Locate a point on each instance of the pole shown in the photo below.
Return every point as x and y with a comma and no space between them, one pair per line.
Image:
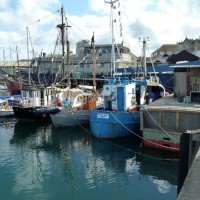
62,28
19,69
94,64
68,64
113,39
29,75
144,58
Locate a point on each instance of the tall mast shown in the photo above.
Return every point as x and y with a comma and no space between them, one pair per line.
19,68
29,75
62,28
94,63
144,58
68,59
4,61
113,39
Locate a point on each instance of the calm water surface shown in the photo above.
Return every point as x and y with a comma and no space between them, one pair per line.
40,162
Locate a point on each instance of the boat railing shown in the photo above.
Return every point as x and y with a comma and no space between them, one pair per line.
13,102
153,78
119,79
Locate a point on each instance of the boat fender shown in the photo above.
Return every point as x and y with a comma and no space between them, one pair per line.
132,109
112,97
6,107
133,101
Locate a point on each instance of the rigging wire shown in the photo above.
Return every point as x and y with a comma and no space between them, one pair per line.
37,21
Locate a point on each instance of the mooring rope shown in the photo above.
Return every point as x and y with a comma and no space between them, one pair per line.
161,127
142,137
108,141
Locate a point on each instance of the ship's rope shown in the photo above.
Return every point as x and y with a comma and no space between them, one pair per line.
127,149
160,126
141,154
140,136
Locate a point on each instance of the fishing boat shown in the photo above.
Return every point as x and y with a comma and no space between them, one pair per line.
39,101
41,71
79,101
35,104
123,98
76,109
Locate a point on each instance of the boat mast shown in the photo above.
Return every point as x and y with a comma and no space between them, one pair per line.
113,39
19,68
4,61
144,57
94,63
62,28
68,57
29,75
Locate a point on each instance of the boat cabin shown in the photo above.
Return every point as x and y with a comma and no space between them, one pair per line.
119,94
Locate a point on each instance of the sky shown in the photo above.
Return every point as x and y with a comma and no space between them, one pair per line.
29,27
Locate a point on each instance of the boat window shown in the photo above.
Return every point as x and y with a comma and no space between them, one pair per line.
104,51
24,93
81,65
30,93
88,66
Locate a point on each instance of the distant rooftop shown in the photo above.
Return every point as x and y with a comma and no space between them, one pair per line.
171,47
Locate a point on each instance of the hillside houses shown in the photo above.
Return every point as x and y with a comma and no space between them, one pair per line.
166,51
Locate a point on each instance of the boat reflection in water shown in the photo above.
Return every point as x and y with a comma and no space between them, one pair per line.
8,122
70,164
164,173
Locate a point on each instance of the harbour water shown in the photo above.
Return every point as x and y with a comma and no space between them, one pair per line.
40,162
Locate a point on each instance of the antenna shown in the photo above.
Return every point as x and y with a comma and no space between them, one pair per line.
113,39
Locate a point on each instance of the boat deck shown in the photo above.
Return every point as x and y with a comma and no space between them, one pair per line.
169,103
164,121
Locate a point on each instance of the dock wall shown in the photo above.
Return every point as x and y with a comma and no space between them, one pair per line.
189,165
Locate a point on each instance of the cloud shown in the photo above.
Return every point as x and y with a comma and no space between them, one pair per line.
163,21
4,4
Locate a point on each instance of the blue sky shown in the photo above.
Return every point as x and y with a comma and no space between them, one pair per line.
163,21
77,7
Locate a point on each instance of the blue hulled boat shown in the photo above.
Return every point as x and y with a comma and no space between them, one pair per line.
120,116
123,98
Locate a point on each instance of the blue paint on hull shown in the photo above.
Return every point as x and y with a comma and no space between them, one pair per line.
114,124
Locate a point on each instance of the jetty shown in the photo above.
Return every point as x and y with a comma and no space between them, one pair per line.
189,165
